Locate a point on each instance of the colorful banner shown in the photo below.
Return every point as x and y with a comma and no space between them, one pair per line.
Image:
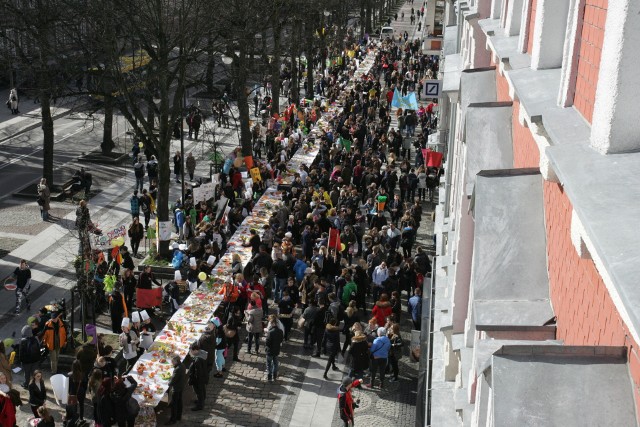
103,241
408,102
148,298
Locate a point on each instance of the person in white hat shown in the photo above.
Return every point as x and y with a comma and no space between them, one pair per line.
129,342
192,275
147,325
146,330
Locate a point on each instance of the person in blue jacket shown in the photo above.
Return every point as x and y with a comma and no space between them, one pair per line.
414,306
299,268
379,354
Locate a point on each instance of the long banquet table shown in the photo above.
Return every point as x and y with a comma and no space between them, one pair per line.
153,369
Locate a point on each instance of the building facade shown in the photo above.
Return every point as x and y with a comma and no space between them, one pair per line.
537,228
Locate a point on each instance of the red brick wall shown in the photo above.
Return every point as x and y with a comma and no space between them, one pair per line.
586,314
589,51
503,87
525,150
532,24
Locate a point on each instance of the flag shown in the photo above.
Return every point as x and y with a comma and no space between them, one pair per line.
434,160
346,144
395,101
334,238
408,102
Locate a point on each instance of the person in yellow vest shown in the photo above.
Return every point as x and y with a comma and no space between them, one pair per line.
55,338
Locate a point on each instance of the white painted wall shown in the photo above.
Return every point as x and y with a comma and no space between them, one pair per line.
570,53
524,27
615,127
514,17
496,8
549,34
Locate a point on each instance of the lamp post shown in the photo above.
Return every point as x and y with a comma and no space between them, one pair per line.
228,60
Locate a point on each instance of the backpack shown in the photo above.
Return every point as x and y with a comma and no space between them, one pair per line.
144,204
152,168
32,350
352,294
138,169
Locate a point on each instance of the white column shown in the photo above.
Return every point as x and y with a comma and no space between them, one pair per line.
570,54
549,33
523,41
496,7
615,126
514,17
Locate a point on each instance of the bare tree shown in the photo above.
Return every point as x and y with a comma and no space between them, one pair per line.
35,37
173,35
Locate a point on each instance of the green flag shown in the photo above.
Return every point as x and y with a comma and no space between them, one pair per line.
346,144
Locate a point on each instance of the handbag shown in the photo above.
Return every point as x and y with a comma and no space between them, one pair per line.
133,408
229,332
72,399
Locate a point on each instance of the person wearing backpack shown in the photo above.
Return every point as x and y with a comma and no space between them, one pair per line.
28,353
152,169
350,291
139,171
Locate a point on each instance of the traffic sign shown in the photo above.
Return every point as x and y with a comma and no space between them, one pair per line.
432,88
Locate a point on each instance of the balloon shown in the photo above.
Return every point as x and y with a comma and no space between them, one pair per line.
118,241
141,145
202,276
342,247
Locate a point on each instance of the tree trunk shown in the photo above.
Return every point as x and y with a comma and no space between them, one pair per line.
363,17
275,67
107,145
151,117
47,132
243,105
295,31
369,16
309,53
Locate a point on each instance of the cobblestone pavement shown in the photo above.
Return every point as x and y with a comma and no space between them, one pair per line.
25,218
7,244
395,405
245,398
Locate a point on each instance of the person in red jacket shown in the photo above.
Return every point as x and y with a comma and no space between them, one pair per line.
7,411
346,405
382,309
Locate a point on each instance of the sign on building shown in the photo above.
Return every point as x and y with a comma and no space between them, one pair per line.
432,88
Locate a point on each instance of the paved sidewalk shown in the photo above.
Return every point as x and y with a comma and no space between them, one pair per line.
30,116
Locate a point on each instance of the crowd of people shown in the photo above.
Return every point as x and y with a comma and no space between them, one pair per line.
334,260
